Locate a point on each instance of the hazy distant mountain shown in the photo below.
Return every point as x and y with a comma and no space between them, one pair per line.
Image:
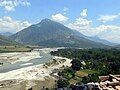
117,46
6,34
95,39
6,41
53,34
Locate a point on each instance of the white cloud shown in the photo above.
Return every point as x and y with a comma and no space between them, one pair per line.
10,5
81,23
25,3
84,13
25,24
59,17
107,32
7,24
7,19
107,18
65,9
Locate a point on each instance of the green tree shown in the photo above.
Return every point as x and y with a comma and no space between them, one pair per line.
91,78
62,83
76,64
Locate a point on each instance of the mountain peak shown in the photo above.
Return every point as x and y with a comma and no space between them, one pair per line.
45,20
49,22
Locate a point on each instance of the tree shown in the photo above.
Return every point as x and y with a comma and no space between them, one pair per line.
114,67
62,83
76,64
91,78
67,73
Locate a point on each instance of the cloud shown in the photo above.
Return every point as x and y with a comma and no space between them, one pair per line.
83,13
101,30
10,5
7,24
107,32
59,17
81,23
107,18
65,9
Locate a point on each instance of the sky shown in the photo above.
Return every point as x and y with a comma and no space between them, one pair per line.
99,18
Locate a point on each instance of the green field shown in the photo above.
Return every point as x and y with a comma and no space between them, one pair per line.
88,71
5,49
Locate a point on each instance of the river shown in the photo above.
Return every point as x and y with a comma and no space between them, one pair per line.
45,57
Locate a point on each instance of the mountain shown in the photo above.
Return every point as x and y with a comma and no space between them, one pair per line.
117,46
6,34
6,41
95,39
49,33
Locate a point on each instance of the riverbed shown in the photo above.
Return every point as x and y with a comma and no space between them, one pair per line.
18,63
31,73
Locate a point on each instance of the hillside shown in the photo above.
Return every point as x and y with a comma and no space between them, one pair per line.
117,46
6,41
95,39
6,34
49,33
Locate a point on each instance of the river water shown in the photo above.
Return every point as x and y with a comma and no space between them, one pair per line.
45,57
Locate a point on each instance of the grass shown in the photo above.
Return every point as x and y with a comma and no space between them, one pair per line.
81,74
85,72
72,81
88,71
5,49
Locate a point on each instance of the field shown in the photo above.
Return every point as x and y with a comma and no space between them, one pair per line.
88,71
5,49
80,74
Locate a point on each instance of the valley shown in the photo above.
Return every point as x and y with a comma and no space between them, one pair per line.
59,44
49,55
28,67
